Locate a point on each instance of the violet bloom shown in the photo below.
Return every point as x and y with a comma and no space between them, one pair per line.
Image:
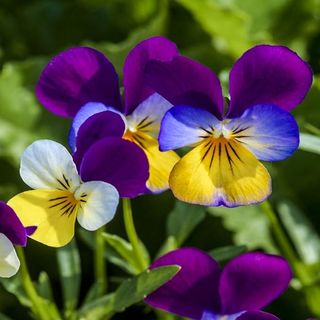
12,232
223,168
202,291
81,83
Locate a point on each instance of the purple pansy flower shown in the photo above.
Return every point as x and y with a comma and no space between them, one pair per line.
201,291
12,232
81,83
223,168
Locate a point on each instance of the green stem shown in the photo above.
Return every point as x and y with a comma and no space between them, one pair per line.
100,262
311,291
38,307
284,244
132,234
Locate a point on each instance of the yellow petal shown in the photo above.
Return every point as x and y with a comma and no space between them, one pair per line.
53,212
160,163
220,172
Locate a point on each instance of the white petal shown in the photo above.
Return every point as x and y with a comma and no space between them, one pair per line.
9,262
46,164
148,115
99,201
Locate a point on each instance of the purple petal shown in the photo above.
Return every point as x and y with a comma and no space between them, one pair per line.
136,90
11,226
75,77
85,112
268,74
100,125
31,230
257,315
184,126
193,290
186,82
252,280
118,162
269,132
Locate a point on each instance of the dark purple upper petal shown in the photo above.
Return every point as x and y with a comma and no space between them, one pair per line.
75,77
135,88
257,315
118,162
252,280
11,226
186,82
195,287
98,126
268,74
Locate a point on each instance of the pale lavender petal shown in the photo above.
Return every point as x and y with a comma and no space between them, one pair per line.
75,77
195,287
268,74
11,226
118,162
252,280
135,88
183,81
184,126
257,315
269,132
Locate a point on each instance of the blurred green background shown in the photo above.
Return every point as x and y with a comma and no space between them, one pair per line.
215,32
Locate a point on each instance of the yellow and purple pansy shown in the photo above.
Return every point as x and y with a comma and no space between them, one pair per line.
201,290
60,196
229,137
81,83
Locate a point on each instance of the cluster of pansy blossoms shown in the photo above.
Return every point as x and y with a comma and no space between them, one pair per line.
123,146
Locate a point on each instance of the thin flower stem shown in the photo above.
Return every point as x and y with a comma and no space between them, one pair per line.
283,242
132,234
100,262
310,290
38,307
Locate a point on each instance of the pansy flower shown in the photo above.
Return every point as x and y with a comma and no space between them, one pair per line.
12,232
60,197
82,83
202,291
229,137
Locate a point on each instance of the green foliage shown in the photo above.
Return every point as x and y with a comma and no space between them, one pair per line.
70,275
252,231
129,292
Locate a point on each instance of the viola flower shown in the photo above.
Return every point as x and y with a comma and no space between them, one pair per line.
81,83
202,291
223,167
12,232
60,197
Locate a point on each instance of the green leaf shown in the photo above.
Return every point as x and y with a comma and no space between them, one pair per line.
301,231
183,220
14,286
129,292
44,286
70,274
229,28
249,226
110,253
310,143
124,249
226,253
